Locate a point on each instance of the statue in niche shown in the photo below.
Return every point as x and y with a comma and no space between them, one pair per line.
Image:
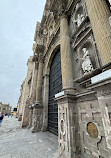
51,31
86,65
80,19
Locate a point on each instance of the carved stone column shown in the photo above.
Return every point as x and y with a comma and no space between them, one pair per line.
45,102
38,108
39,79
35,80
66,57
99,14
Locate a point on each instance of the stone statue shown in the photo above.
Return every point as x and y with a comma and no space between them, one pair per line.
80,19
86,65
50,32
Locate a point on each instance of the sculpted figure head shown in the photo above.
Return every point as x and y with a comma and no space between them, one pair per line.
84,50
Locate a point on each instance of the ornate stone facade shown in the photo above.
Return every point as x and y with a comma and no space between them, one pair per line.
81,112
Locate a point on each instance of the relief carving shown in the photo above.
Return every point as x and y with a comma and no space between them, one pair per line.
80,19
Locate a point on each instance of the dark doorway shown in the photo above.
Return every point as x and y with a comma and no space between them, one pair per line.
55,86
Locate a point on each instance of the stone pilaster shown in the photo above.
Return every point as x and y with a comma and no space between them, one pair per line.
66,57
99,14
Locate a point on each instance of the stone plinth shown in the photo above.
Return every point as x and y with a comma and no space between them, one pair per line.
67,127
37,118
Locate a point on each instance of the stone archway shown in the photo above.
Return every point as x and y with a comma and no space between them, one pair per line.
55,86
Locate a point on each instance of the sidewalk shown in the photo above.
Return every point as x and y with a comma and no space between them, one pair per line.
21,143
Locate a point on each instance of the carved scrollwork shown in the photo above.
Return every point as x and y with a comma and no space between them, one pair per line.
63,127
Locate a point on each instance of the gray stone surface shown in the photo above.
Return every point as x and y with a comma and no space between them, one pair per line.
21,143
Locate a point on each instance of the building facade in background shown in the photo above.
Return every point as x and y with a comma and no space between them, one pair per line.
5,109
68,85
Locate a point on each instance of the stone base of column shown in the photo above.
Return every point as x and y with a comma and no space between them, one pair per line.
37,117
69,90
67,126
20,117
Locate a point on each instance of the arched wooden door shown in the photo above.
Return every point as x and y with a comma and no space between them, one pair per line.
55,86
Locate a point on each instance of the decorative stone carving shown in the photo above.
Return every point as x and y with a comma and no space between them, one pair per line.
51,31
80,19
86,65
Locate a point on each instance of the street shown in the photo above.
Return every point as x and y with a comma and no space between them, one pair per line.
16,142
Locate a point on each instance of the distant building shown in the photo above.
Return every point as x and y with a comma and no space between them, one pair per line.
5,108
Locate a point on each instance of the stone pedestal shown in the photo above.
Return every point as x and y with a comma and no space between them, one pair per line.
37,118
99,14
66,57
67,125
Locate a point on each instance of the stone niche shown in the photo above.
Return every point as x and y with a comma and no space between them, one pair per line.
78,16
84,49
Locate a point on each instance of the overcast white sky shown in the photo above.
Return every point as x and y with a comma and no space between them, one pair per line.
17,26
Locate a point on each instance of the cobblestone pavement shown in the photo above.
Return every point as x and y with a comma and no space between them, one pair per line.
16,142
